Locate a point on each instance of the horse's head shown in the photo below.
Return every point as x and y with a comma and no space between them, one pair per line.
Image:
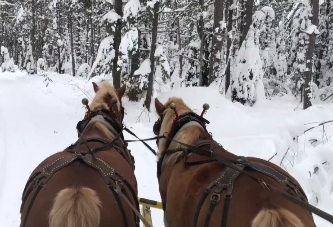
108,98
167,113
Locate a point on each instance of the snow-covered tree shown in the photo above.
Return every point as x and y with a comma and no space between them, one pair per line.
246,82
8,63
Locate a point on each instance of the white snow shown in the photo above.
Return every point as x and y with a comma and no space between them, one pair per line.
105,54
111,16
37,121
262,13
151,4
8,62
144,68
132,8
129,43
312,29
110,1
83,70
248,70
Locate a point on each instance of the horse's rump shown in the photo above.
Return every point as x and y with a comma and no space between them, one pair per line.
83,186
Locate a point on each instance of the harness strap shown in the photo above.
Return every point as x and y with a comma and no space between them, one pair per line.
40,186
210,211
202,200
143,141
290,186
113,180
134,209
120,205
225,183
42,178
226,204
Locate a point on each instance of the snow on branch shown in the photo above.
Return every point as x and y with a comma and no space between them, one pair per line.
132,8
4,3
111,16
312,29
144,68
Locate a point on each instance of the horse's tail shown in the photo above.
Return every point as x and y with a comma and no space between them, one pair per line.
276,218
75,207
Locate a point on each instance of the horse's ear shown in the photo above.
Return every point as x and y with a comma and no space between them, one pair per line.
96,88
159,107
121,91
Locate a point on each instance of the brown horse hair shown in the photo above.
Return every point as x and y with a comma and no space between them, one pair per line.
75,207
186,136
276,218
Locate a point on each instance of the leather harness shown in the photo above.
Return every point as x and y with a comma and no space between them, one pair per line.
114,181
222,186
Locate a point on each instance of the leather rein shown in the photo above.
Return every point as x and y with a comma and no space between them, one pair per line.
115,182
240,165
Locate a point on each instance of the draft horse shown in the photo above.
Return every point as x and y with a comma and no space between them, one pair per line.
199,187
92,182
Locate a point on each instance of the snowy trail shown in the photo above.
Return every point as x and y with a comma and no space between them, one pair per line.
37,121
32,132
3,157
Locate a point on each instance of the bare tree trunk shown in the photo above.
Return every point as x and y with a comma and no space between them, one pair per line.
59,33
70,21
116,43
247,20
92,48
216,43
325,46
201,34
87,43
135,57
2,40
308,57
229,28
152,57
33,33
179,41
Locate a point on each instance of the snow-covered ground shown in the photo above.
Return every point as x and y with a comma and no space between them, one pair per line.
38,118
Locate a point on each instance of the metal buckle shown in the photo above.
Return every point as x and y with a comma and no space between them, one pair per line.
228,197
263,183
118,186
215,198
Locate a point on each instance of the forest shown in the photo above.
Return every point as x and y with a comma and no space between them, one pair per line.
247,49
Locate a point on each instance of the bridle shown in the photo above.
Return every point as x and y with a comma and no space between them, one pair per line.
114,181
178,122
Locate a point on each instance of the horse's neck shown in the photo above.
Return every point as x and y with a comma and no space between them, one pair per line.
191,133
99,127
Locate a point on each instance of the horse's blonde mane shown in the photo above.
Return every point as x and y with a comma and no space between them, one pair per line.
105,88
188,136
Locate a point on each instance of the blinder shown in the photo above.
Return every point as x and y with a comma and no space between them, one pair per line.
107,115
179,122
157,126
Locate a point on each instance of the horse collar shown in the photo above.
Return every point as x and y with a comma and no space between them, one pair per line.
178,123
107,115
176,126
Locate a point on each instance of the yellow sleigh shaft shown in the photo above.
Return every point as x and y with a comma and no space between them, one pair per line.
146,204
150,203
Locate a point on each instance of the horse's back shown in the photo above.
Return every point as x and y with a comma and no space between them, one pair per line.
77,176
248,197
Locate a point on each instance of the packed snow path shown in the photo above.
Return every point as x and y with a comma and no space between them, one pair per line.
38,120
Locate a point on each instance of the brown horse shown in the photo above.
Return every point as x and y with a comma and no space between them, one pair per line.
198,190
92,182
